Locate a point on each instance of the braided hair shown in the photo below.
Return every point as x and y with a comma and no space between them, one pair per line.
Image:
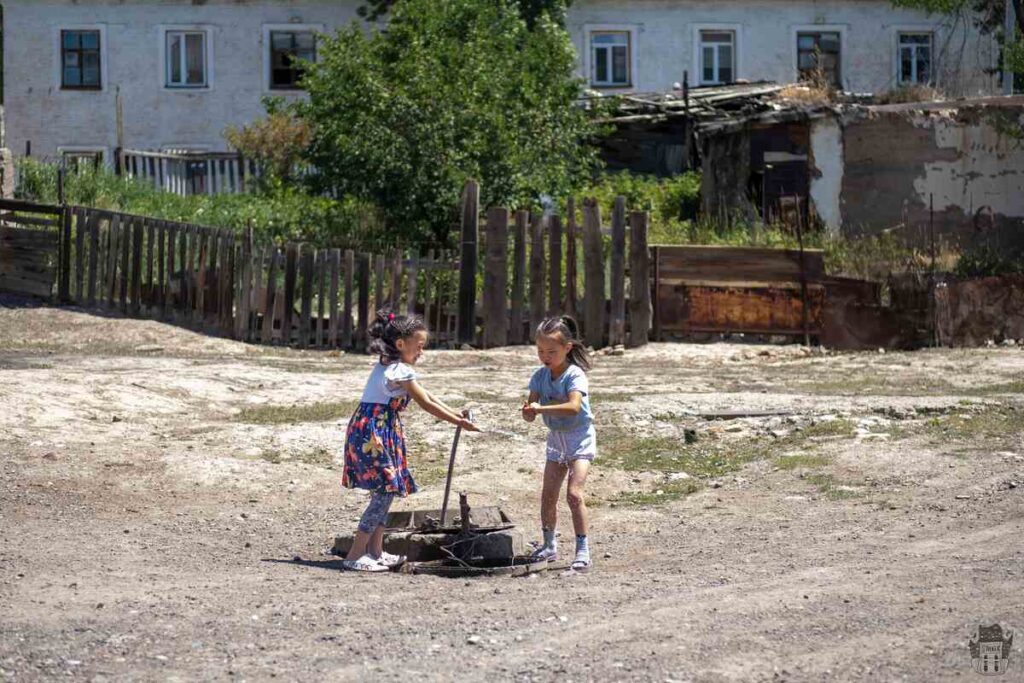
567,327
387,329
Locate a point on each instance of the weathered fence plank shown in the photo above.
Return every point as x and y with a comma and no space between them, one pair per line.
291,267
593,275
346,322
496,279
242,325
94,249
113,250
335,266
639,280
428,276
554,264
379,300
306,271
536,273
123,276
321,299
270,300
364,301
137,236
571,232
64,271
412,285
150,250
78,217
395,295
468,262
617,320
518,277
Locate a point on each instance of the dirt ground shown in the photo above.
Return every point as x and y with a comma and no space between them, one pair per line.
168,502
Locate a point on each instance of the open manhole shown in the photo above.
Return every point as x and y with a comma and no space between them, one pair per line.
477,542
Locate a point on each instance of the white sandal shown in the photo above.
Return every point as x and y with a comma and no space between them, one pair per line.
391,561
366,563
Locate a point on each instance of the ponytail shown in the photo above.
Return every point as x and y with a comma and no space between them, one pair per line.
387,329
567,327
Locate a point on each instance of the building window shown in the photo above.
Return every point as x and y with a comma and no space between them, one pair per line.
717,57
287,50
82,160
818,57
915,58
80,60
186,59
610,58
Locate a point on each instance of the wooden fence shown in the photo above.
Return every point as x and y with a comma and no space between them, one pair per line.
223,282
189,173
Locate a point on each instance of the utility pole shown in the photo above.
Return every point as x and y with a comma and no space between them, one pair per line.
1009,38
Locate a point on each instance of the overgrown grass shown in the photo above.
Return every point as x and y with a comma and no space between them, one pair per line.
279,213
296,414
990,425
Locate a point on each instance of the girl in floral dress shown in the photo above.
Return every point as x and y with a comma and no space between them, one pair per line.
375,454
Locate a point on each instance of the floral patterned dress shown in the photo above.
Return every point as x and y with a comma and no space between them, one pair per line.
375,452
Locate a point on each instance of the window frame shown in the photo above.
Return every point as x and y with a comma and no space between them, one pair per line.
898,33
267,49
589,65
164,33
58,63
839,29
698,50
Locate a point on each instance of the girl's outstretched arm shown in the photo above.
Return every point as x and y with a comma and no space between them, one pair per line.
435,408
568,409
439,402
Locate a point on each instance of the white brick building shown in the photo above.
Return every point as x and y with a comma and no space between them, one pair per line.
184,70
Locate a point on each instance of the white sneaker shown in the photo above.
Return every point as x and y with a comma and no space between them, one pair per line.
391,561
366,563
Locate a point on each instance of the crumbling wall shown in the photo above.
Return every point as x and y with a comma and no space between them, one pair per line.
972,312
897,160
826,171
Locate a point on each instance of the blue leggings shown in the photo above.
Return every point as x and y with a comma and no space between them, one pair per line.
376,512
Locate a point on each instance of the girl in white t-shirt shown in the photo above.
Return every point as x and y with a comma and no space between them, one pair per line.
375,453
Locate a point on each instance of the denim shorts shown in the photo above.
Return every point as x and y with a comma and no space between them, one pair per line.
578,444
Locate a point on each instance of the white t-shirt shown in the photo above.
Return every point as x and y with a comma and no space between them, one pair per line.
382,385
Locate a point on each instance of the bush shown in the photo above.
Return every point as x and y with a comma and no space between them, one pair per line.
985,260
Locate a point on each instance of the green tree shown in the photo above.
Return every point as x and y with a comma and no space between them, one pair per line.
453,89
529,10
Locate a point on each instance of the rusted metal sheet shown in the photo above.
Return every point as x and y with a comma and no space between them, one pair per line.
750,307
736,289
28,261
